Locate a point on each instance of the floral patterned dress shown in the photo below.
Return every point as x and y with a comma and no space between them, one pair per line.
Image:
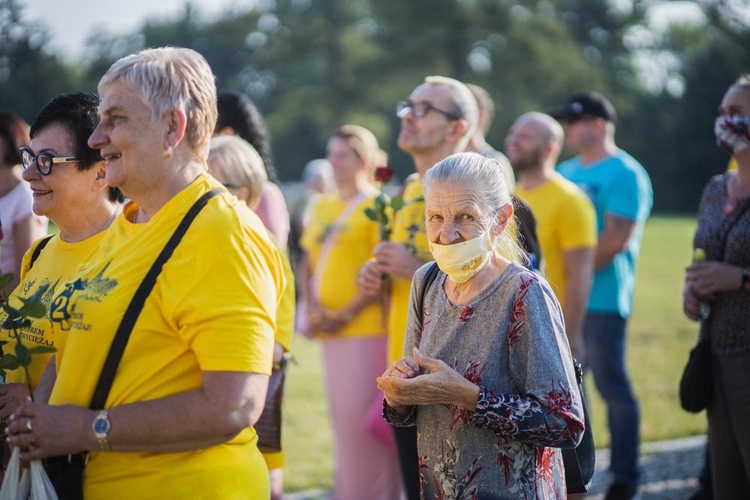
510,340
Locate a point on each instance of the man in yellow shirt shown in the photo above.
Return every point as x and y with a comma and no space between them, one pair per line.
566,221
437,120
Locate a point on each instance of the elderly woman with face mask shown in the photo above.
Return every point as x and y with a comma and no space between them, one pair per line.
487,376
192,378
717,290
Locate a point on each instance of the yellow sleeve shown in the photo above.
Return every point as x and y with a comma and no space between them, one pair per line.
577,223
286,310
232,328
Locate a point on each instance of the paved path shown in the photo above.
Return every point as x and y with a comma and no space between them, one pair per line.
670,472
670,469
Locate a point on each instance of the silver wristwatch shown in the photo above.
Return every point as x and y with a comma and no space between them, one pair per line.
101,428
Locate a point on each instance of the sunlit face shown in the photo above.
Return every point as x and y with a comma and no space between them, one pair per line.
452,213
345,161
424,135
130,141
66,191
524,145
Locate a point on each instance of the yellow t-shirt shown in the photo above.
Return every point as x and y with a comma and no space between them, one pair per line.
351,249
286,308
565,220
213,308
409,229
57,262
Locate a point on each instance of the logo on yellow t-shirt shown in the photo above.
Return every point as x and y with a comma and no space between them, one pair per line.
61,311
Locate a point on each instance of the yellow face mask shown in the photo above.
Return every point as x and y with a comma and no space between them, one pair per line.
461,261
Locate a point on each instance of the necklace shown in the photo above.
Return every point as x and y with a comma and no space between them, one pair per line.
730,206
109,220
732,202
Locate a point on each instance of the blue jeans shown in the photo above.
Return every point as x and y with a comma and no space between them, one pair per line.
604,340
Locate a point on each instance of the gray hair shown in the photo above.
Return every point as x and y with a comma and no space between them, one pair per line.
485,178
743,81
236,161
463,101
172,78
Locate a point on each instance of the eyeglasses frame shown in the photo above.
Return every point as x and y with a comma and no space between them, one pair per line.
52,158
404,105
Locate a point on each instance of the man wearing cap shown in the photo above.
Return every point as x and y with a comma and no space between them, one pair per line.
620,190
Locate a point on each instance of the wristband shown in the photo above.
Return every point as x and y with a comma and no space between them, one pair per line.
745,279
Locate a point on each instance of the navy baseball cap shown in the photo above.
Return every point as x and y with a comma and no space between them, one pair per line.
583,104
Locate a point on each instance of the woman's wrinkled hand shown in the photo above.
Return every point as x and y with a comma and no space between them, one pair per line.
11,397
41,430
707,278
434,383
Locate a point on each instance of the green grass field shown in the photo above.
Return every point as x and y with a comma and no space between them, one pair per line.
660,338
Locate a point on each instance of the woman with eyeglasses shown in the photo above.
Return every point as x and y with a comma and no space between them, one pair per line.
19,226
66,178
178,418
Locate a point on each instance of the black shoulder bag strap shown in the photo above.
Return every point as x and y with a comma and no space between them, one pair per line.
122,335
38,249
429,277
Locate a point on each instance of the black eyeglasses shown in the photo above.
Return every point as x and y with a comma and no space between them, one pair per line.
44,160
420,110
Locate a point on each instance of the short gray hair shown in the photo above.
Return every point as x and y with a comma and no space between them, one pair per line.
172,78
463,101
485,178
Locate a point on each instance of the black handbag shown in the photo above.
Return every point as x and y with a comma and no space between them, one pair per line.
580,461
66,472
696,384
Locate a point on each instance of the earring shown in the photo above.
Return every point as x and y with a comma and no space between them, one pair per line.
168,151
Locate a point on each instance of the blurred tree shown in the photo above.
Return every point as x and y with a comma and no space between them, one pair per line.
312,65
677,129
29,76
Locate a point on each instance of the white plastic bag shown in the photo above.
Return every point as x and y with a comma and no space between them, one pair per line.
28,484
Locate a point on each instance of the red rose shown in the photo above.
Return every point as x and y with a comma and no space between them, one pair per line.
383,174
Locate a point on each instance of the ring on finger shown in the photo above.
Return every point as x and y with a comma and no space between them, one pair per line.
32,442
28,425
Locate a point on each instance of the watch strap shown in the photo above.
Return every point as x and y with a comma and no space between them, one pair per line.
102,436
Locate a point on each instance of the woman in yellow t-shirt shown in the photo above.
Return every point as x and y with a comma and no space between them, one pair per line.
239,167
191,382
67,180
351,325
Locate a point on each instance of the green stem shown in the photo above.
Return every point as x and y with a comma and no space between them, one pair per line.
19,342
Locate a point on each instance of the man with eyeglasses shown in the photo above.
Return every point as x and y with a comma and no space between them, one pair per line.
620,190
437,120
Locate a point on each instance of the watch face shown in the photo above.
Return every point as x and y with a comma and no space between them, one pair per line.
101,425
